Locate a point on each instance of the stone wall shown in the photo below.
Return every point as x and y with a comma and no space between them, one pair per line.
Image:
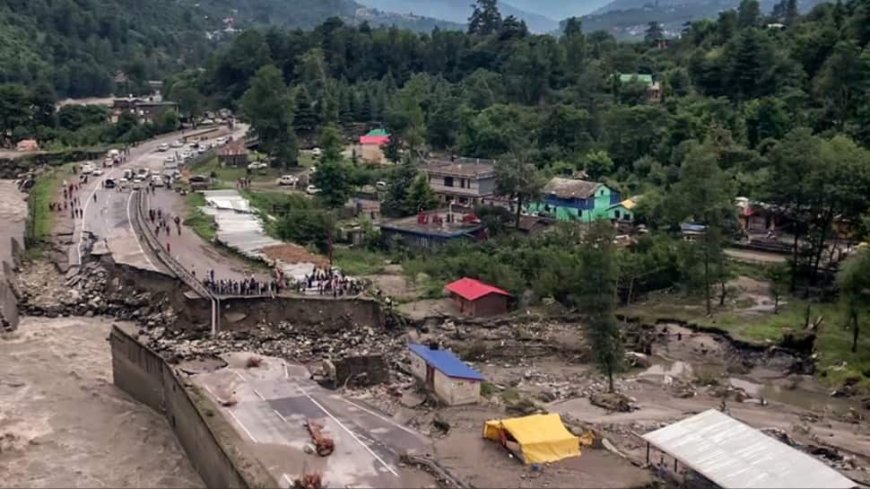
213,446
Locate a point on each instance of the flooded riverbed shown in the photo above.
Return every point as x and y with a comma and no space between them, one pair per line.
63,423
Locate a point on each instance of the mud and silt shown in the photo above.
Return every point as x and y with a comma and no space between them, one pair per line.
64,424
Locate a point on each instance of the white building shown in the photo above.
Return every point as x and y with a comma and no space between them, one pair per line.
452,381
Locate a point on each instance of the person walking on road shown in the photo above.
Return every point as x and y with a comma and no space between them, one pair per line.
167,247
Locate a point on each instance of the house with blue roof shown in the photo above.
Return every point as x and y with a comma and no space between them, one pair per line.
444,374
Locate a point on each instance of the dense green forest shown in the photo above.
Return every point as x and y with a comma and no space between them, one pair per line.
78,45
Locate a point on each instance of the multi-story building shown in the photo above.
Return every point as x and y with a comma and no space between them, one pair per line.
462,181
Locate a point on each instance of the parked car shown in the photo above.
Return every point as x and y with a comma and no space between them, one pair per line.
381,185
316,152
163,147
258,165
97,172
291,180
312,190
108,183
157,180
169,159
177,143
87,169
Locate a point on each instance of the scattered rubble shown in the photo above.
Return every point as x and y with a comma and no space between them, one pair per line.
90,292
613,401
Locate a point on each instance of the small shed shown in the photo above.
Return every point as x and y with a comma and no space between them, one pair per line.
475,298
731,454
233,153
443,373
376,137
27,145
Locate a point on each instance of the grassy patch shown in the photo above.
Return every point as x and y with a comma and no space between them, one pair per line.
833,343
356,262
46,190
228,175
201,223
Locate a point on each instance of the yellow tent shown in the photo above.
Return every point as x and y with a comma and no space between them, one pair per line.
541,437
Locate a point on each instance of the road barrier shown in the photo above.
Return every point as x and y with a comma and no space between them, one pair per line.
140,226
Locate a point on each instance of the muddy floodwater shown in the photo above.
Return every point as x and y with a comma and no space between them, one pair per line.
64,424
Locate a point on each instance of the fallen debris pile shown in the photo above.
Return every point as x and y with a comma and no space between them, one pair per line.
90,292
322,443
613,401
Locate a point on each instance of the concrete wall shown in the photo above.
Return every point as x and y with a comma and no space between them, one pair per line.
8,301
455,391
326,314
210,442
449,390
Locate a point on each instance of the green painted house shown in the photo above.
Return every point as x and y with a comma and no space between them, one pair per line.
570,199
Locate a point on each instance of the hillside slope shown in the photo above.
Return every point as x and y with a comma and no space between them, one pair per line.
307,14
77,45
459,10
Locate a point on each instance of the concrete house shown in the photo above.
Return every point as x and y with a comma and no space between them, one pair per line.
431,229
463,181
370,147
233,153
569,199
475,298
653,88
444,374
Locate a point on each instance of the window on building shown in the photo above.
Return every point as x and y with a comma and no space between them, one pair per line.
617,214
462,183
448,181
463,200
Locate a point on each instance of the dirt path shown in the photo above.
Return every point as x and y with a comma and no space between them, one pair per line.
64,424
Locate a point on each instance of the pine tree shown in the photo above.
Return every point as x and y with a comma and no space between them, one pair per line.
596,298
485,18
304,118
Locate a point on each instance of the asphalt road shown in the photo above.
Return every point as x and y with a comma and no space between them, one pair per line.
107,212
274,401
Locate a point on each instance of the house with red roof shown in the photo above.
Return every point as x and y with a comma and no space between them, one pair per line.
475,298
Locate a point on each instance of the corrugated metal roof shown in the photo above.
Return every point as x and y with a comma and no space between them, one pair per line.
446,362
735,455
472,289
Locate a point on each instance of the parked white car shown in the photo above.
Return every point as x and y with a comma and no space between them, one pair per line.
381,185
258,165
87,169
157,180
177,143
290,180
97,172
163,147
312,190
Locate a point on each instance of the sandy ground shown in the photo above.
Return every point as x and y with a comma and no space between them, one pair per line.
64,424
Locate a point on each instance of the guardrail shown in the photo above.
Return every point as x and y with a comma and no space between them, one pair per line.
142,229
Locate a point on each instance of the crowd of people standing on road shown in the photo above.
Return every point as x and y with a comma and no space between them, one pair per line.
162,220
328,281
246,286
70,202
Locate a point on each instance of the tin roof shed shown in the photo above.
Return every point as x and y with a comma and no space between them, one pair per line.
732,454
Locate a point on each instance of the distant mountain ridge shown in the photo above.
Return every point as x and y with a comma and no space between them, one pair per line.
307,14
459,10
627,19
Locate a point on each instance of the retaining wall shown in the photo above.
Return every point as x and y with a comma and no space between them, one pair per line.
213,446
326,314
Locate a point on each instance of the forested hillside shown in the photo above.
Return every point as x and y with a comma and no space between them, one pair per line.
78,45
459,10
626,18
307,14
477,92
